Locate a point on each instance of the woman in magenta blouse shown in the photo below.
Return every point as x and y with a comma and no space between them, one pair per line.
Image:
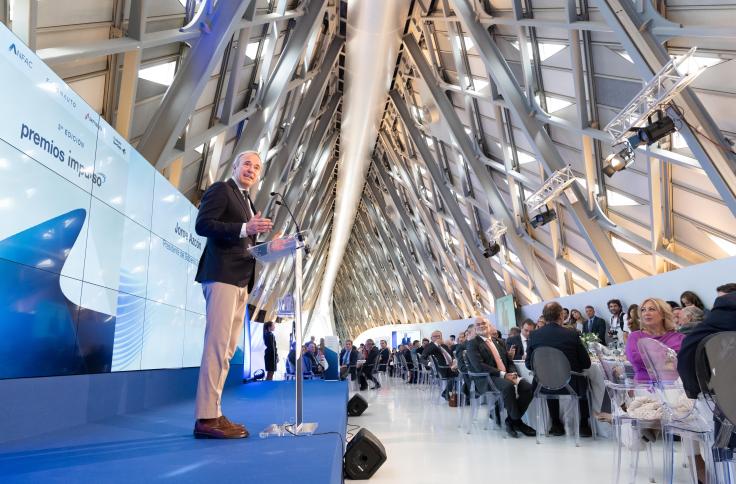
656,322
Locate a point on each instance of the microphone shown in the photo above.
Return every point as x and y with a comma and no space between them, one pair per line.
282,201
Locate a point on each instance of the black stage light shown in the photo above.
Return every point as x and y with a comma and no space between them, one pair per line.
543,218
653,132
492,250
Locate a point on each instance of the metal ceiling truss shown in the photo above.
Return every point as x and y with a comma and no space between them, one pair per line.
636,32
469,152
544,148
272,95
178,103
427,220
414,252
450,202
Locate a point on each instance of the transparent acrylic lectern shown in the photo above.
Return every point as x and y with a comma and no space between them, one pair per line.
286,249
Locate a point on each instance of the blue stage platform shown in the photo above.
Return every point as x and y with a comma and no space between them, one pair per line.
156,445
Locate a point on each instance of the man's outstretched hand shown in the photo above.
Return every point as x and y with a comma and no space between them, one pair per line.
258,225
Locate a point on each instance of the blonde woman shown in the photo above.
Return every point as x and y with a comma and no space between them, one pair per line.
657,323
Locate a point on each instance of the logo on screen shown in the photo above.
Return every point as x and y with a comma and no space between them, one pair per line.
50,146
118,144
20,55
92,119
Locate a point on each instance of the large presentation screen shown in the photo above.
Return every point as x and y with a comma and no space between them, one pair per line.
97,250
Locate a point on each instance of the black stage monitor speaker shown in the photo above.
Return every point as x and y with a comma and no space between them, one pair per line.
363,456
356,405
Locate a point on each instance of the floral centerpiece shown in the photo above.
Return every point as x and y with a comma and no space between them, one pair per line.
588,340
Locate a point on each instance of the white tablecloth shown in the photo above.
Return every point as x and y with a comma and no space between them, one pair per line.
597,391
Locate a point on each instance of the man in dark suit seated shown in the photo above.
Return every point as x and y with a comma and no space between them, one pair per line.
594,324
554,335
439,350
519,343
410,362
442,352
721,318
311,363
459,353
384,355
488,355
371,362
348,361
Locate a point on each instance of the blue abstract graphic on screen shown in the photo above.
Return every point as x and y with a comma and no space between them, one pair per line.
55,335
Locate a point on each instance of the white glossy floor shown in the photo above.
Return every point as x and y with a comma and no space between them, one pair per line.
424,445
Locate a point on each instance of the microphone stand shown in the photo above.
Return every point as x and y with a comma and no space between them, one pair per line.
299,237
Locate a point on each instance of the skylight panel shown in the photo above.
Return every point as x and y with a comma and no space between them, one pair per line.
160,74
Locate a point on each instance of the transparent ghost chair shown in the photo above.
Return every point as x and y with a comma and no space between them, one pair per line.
681,417
715,368
622,391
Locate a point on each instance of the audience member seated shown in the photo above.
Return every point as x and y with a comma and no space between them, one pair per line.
348,361
689,298
406,354
657,323
577,322
384,356
721,318
441,351
565,316
489,355
518,344
594,324
311,363
689,317
460,346
555,336
391,363
540,322
459,361
420,349
453,342
371,362
632,320
676,310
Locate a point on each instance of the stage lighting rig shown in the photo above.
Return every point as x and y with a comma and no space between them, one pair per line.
551,189
543,218
654,96
493,249
495,232
650,134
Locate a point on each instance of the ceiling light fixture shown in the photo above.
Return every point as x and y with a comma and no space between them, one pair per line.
543,218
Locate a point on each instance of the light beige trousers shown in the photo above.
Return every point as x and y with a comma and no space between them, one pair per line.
225,315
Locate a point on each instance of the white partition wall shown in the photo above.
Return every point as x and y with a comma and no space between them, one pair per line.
702,279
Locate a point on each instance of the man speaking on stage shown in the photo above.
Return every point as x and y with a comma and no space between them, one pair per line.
226,271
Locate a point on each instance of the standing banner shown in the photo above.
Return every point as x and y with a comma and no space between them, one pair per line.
332,350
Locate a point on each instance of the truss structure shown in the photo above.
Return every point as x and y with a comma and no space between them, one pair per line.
496,231
658,92
552,188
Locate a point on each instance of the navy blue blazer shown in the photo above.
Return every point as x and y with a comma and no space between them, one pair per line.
225,258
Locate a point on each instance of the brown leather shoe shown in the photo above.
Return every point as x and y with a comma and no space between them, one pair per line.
216,428
230,423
